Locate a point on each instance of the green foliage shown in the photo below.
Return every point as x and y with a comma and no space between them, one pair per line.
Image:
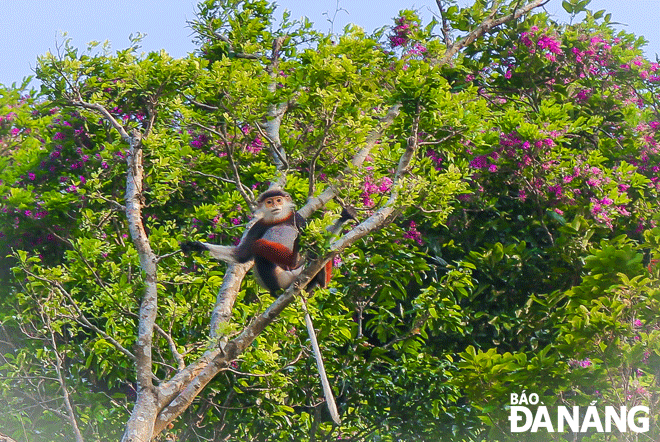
524,254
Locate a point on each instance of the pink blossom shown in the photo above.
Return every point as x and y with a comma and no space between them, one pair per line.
585,363
556,190
385,184
255,146
413,233
623,211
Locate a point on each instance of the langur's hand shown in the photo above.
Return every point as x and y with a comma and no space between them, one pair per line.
192,246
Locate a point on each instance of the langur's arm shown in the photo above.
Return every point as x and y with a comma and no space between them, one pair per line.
223,253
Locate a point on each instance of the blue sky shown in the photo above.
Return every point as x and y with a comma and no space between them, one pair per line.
29,28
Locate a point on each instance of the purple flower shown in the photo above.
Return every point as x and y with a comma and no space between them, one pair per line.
479,162
385,184
556,190
413,233
255,146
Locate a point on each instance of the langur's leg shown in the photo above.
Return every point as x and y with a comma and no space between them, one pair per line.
286,277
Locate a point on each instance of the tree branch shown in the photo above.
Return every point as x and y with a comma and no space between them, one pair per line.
485,26
227,294
106,114
245,192
446,35
59,366
332,191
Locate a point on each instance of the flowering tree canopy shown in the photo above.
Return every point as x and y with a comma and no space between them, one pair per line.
505,170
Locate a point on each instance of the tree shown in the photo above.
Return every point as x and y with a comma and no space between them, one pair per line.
504,175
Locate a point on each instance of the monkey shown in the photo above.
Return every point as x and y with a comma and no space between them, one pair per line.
273,243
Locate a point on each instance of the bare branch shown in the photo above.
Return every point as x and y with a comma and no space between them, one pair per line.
321,145
245,192
204,106
106,114
267,375
446,34
80,317
175,353
59,367
270,130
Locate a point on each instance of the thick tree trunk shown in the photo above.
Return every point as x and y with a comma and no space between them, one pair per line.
141,423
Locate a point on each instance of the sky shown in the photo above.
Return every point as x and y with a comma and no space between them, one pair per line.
29,28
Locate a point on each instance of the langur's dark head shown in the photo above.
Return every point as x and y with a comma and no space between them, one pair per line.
275,205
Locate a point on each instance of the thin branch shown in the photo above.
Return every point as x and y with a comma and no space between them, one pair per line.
175,353
105,113
167,255
230,47
321,145
59,366
267,375
446,34
486,26
245,192
204,106
332,191
81,318
117,206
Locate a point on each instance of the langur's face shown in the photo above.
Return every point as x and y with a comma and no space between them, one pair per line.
276,207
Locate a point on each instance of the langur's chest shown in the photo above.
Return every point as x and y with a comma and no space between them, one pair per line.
283,234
